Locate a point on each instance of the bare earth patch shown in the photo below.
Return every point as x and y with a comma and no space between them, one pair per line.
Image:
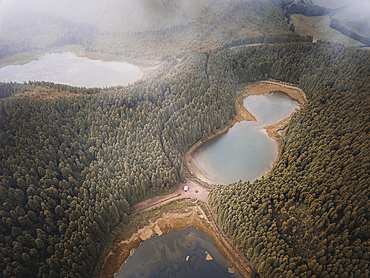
160,223
179,193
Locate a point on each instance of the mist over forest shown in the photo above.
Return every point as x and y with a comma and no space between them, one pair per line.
111,15
74,161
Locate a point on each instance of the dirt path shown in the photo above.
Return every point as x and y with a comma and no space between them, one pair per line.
202,194
179,193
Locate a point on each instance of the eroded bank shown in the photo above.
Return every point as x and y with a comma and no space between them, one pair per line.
176,216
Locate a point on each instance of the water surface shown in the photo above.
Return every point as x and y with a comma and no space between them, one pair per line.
67,68
178,254
245,152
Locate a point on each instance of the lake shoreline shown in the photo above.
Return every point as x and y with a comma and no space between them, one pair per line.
160,222
242,114
34,55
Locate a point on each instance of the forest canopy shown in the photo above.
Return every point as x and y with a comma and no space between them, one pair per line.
74,160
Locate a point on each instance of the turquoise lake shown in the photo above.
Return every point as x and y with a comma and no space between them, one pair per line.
178,254
67,68
245,152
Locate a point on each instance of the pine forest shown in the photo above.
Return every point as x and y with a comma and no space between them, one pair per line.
73,161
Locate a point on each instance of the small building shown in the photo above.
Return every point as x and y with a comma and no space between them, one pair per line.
186,188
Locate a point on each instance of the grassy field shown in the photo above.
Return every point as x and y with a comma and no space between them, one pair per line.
318,27
353,15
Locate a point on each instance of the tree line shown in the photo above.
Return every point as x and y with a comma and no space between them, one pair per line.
336,24
310,216
221,22
72,165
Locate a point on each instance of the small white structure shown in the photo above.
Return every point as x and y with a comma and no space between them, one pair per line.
186,188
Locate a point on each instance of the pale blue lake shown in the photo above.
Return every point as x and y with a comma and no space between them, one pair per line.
67,68
245,152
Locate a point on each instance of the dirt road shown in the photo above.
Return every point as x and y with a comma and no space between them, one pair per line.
201,194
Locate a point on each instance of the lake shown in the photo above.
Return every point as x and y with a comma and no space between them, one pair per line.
186,253
245,152
67,68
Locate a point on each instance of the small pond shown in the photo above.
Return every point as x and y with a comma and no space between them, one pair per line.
67,68
186,253
245,152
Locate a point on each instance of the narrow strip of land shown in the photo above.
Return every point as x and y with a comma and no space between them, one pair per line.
289,86
194,191
228,240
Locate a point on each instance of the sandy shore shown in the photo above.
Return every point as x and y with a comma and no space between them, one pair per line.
194,168
275,131
160,222
242,114
199,171
273,86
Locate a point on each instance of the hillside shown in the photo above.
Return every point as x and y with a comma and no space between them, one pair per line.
345,22
310,215
111,15
74,160
207,26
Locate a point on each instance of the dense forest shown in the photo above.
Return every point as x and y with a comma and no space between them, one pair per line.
73,164
74,160
310,216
